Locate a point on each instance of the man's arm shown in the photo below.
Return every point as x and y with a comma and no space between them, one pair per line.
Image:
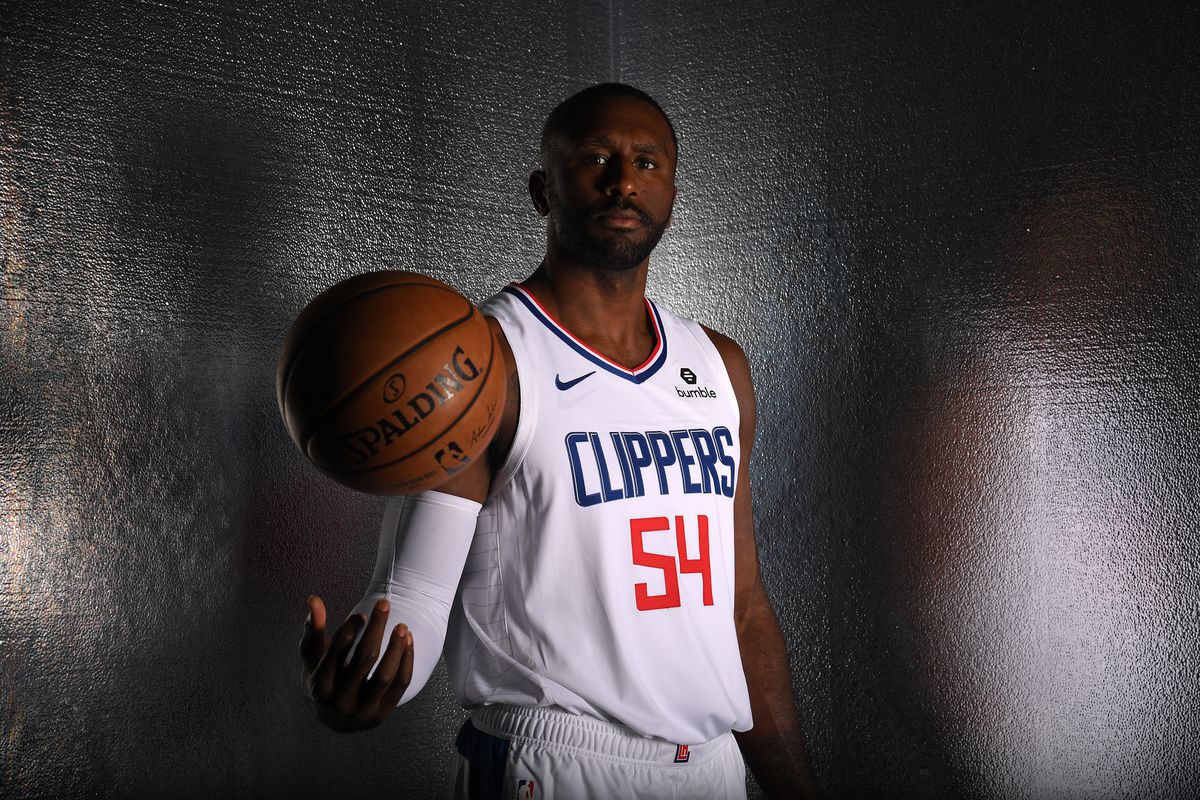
774,747
337,677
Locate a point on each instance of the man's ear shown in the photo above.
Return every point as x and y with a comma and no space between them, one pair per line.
537,191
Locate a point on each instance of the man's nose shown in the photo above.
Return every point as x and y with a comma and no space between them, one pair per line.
620,178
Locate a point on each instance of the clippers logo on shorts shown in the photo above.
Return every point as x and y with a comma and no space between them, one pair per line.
525,789
622,464
681,753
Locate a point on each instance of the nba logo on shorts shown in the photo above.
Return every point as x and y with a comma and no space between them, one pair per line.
681,753
524,790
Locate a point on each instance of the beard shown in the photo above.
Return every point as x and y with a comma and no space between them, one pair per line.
617,251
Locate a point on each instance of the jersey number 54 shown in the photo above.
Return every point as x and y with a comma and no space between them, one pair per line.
671,569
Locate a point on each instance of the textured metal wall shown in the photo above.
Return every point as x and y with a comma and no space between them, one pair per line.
959,246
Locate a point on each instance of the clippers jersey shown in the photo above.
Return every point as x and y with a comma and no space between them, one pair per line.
600,578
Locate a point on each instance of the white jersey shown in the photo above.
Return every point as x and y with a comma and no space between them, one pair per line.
601,575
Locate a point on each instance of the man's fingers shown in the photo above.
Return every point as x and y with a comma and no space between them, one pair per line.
366,652
316,611
313,643
404,677
331,662
406,664
389,666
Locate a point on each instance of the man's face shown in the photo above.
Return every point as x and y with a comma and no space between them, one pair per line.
610,183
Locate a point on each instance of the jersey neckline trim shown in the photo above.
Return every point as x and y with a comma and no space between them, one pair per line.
639,374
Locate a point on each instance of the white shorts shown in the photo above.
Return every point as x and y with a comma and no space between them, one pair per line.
512,753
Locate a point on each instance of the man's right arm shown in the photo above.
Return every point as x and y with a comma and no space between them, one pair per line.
423,545
406,607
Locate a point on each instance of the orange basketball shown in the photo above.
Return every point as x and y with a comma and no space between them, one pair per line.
390,382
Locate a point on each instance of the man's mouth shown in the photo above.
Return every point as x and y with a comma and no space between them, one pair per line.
622,219
621,222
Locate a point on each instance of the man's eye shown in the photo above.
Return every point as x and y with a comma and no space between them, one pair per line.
645,163
595,159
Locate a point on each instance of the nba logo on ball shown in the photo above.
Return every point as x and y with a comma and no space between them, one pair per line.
525,790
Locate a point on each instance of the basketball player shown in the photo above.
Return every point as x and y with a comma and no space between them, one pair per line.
595,579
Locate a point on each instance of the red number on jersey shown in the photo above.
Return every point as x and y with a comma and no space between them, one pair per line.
645,600
699,565
695,566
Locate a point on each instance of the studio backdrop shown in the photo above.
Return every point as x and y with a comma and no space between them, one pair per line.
958,242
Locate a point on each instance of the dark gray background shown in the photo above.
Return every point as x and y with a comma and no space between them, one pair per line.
957,241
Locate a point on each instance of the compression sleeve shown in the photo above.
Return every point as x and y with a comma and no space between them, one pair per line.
423,544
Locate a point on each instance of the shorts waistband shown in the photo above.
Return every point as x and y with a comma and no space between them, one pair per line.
562,730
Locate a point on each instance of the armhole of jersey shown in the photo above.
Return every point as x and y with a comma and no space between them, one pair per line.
714,355
527,411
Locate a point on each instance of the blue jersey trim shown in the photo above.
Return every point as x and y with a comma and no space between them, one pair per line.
641,375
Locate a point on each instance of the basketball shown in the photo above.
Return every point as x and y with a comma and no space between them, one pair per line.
390,382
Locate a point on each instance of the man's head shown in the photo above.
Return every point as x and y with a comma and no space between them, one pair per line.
607,181
559,121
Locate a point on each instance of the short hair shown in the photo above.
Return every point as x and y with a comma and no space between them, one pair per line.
556,123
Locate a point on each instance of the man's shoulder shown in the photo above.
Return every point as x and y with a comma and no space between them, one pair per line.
736,363
727,347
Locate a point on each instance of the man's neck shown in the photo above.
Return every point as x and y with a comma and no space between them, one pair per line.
605,308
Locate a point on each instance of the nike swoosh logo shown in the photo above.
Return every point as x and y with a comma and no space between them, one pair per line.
564,385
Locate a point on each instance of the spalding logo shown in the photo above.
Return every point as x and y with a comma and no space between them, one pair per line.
393,390
366,443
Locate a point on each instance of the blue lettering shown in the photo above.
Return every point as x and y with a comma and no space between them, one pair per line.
727,484
706,453
605,483
664,456
624,459
639,458
685,461
705,460
582,496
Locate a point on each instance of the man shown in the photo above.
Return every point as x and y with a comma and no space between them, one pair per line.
610,628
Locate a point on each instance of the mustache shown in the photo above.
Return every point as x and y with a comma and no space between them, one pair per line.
620,204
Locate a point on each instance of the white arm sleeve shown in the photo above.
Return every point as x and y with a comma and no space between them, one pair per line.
423,544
